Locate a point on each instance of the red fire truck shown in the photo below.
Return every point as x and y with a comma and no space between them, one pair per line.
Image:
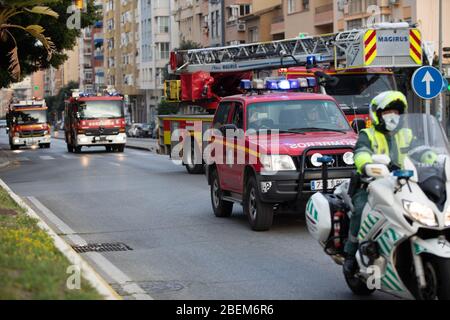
27,124
330,64
93,121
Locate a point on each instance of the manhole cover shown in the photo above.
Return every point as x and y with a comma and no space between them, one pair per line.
7,212
102,247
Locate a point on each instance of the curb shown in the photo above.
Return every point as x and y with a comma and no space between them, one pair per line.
88,272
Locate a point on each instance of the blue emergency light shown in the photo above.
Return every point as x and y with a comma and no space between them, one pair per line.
246,84
311,81
311,61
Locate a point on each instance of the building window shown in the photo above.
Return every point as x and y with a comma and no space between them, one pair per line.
355,6
305,4
253,35
291,6
163,50
110,24
354,24
163,24
245,9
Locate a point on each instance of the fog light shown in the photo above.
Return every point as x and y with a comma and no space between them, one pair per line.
265,186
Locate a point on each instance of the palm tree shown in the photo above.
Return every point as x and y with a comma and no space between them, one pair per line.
15,8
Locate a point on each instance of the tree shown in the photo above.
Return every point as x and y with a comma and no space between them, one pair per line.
56,103
32,25
166,107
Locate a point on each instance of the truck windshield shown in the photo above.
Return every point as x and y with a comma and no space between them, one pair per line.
30,116
357,91
101,109
296,116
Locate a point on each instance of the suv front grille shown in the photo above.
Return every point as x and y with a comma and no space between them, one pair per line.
32,133
102,132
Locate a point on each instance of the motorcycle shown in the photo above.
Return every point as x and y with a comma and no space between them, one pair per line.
404,247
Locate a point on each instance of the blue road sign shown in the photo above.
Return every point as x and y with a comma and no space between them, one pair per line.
427,82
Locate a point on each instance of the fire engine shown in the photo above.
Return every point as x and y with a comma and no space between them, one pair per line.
325,63
95,120
27,124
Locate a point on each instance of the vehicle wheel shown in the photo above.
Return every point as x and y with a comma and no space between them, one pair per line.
108,148
437,277
121,148
41,146
47,145
259,214
221,207
191,167
358,286
77,149
13,147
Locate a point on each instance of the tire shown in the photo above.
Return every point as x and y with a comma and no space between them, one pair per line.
358,286
221,208
108,148
41,146
437,276
442,266
47,145
77,149
121,148
193,168
13,147
259,214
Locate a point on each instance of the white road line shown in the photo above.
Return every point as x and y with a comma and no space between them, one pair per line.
115,164
65,156
46,157
23,159
110,269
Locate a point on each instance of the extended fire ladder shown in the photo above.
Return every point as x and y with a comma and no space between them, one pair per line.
386,45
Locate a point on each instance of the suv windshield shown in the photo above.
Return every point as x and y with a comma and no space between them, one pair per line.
296,116
101,109
359,90
30,116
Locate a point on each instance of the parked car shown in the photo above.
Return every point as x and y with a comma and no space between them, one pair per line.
135,130
148,130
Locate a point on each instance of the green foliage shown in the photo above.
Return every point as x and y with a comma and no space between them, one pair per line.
165,107
56,103
32,57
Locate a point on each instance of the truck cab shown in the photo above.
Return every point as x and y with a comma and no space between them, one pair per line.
284,135
95,121
28,125
353,89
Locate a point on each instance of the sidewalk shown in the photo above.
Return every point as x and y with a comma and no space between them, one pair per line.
132,143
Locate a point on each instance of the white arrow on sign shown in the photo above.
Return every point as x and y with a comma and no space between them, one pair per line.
428,79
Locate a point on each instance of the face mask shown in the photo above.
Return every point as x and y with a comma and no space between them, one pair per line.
391,120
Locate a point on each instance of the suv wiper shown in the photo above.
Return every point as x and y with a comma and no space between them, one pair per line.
319,129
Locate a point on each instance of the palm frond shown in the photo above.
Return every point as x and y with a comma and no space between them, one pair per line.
43,10
14,67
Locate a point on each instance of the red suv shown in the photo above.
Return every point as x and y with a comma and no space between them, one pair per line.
279,172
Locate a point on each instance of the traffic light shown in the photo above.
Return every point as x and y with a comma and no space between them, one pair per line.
79,4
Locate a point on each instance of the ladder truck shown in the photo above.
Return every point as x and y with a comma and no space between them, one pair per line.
351,65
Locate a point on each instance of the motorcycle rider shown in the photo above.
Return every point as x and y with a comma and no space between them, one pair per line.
383,138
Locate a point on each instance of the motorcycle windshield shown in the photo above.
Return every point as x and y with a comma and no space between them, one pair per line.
427,135
429,152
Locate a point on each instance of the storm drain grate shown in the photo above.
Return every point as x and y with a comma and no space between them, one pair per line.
102,247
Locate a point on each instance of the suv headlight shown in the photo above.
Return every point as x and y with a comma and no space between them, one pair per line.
420,213
46,132
277,163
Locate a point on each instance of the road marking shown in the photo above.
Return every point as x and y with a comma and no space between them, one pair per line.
23,159
104,264
115,164
46,157
65,156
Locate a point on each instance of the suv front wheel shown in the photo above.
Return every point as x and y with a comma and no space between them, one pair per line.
221,207
259,214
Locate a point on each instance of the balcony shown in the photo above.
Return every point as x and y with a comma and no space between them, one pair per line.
277,25
324,15
98,55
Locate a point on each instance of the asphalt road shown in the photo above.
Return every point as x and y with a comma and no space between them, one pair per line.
179,249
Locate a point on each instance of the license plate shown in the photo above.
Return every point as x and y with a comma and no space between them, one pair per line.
317,185
100,139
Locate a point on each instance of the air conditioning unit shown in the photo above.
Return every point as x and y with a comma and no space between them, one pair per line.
241,26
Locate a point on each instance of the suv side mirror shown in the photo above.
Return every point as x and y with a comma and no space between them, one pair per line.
358,125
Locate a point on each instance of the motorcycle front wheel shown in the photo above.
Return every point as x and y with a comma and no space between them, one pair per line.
437,276
358,286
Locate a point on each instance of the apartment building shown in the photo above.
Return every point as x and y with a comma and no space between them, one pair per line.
91,65
121,51
236,26
193,21
158,36
265,22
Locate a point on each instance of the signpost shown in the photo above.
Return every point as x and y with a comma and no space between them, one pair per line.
427,83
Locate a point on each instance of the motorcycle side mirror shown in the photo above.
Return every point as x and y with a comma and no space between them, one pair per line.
377,170
381,159
358,125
